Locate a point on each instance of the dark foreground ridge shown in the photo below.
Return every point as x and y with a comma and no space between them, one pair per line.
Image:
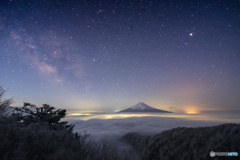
187,143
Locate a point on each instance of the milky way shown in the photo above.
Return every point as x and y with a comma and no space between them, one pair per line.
109,55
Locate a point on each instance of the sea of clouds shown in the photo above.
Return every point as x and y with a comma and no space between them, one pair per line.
114,129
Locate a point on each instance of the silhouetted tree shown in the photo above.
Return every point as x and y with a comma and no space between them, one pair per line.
37,133
4,103
46,114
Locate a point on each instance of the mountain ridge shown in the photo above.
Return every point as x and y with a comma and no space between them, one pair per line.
186,143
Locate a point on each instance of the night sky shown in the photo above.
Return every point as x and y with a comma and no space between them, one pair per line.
107,55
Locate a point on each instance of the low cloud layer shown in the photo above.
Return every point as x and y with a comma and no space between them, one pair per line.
114,129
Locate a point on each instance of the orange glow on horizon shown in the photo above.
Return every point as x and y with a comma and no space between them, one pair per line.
191,110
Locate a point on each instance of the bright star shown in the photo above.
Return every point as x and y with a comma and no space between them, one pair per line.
190,34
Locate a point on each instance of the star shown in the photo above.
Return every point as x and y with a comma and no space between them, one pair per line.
191,34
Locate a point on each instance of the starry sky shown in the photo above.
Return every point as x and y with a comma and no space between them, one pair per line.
107,55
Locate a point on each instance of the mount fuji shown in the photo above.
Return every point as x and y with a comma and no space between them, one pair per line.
142,107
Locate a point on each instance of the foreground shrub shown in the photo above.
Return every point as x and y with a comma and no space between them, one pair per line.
4,103
34,141
45,115
37,133
38,142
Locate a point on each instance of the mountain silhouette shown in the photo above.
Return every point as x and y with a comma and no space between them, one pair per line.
142,107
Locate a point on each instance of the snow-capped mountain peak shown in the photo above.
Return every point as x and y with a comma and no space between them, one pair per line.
141,106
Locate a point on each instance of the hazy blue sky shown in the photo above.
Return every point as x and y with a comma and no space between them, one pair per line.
108,55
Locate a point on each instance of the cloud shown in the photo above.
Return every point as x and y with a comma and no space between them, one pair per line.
52,55
65,52
45,68
14,35
114,129
33,55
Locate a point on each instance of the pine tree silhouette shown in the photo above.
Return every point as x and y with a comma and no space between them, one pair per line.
46,114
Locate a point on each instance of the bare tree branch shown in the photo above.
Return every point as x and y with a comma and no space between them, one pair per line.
4,103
